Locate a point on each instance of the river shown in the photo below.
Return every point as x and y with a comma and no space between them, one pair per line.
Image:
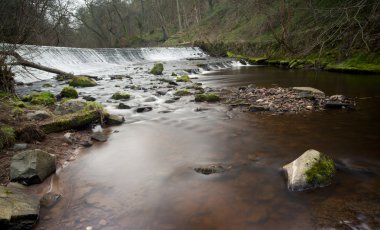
143,177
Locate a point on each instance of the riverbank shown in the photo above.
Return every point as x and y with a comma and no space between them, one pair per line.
359,62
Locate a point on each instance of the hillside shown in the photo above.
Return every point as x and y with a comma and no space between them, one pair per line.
343,35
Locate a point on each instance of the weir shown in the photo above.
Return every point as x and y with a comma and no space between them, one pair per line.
96,62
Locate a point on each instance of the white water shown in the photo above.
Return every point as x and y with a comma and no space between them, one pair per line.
96,62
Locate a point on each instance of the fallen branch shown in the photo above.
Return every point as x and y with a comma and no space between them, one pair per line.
21,61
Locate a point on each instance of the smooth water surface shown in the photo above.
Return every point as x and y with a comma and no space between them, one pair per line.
143,177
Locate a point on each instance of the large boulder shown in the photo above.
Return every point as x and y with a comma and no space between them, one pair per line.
18,210
32,166
70,106
311,170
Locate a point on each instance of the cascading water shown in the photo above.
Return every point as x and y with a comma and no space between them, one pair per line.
96,62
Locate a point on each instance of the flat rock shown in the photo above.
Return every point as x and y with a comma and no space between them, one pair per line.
32,166
115,120
70,106
18,210
309,89
99,136
38,115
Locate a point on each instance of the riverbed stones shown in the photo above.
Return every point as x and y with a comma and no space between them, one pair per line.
115,120
210,169
144,109
32,166
309,90
18,210
123,106
311,170
38,115
70,106
99,136
50,199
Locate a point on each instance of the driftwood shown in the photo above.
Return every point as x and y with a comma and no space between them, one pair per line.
21,61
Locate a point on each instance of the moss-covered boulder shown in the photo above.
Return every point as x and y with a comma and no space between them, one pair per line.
157,69
72,121
182,93
69,92
121,96
82,81
210,97
43,98
47,85
184,78
7,137
311,170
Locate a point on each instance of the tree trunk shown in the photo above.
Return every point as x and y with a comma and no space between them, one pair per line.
21,61
179,16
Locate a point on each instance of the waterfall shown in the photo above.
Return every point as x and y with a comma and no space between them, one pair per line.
96,62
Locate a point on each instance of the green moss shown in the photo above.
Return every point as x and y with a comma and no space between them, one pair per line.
19,104
121,96
182,93
94,106
207,98
17,112
71,121
158,68
43,98
69,92
184,78
7,137
361,63
322,172
82,81
63,77
198,87
47,85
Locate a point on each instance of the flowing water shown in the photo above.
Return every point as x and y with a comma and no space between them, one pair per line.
143,177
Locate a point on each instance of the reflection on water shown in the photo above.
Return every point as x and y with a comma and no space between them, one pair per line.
143,177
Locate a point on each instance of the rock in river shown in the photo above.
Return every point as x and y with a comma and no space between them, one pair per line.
18,210
32,166
115,120
311,170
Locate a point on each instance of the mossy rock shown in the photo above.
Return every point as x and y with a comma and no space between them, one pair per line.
182,93
7,137
322,172
17,112
82,81
121,96
207,98
43,98
158,68
47,85
184,78
63,77
72,121
198,87
69,92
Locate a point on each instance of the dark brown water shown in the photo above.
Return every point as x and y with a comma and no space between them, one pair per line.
143,177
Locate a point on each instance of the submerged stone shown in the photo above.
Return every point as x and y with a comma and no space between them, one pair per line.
210,169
